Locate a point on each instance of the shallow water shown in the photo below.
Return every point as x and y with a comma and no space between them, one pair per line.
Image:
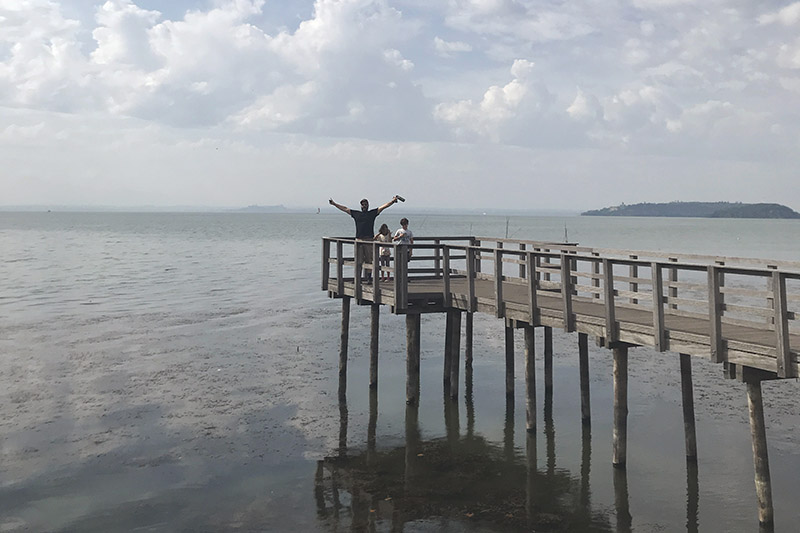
179,372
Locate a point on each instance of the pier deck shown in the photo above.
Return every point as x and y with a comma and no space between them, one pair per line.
733,310
738,312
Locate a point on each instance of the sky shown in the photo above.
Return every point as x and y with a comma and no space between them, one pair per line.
518,104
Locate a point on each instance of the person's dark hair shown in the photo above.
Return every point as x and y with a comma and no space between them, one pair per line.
403,221
363,200
384,229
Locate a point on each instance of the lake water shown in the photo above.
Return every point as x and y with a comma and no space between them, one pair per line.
178,372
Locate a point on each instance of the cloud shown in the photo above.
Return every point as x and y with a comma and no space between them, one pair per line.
447,48
787,16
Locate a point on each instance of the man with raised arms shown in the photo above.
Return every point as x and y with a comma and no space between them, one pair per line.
365,225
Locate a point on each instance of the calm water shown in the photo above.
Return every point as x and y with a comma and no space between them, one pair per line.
177,372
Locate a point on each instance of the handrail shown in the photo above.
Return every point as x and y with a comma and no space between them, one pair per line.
586,274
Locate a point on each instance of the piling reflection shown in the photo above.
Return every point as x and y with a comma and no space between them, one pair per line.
550,432
621,501
508,430
468,399
586,467
452,482
692,496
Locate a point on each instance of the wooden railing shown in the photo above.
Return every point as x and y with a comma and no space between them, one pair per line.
718,291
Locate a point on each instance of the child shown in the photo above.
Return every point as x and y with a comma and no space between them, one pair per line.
384,236
404,235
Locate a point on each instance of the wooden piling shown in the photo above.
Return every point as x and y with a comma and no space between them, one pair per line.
530,379
455,353
583,356
468,341
509,359
375,318
687,395
448,347
620,430
412,358
548,360
758,432
343,341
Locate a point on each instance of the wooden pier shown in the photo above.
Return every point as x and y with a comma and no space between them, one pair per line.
737,312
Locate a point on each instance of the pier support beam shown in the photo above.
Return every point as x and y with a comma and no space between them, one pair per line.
758,433
455,353
343,341
448,348
375,320
412,358
509,359
530,379
548,361
468,341
583,356
620,430
687,395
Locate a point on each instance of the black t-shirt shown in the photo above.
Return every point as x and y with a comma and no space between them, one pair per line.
365,223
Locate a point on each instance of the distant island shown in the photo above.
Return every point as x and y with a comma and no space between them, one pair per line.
261,209
697,209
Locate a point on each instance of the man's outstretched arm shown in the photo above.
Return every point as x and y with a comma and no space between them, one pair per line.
387,204
339,206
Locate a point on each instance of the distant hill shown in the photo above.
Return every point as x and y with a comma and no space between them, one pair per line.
261,209
697,209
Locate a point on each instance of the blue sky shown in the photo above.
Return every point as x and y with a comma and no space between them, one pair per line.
519,104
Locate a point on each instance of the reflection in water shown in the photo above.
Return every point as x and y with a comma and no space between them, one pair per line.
468,399
453,482
508,429
451,418
692,496
586,467
550,431
530,482
624,518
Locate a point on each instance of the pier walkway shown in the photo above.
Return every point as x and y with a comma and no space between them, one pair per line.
738,312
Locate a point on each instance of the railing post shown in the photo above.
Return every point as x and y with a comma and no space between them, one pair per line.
406,277
715,315
326,265
498,282
596,278
477,243
446,275
357,275
608,293
566,292
533,310
522,264
472,304
786,367
659,334
633,271
437,259
673,278
340,268
770,299
376,272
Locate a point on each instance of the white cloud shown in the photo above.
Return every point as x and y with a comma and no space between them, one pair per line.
394,57
447,48
788,16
